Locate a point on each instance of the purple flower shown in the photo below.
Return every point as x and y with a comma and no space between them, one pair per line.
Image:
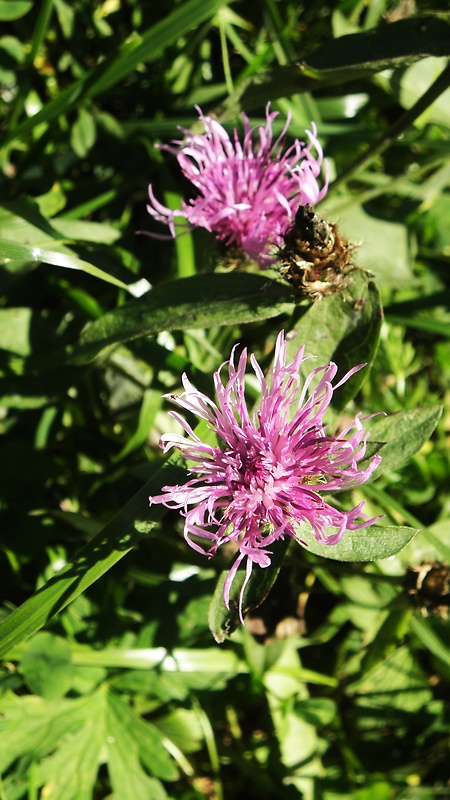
247,193
271,466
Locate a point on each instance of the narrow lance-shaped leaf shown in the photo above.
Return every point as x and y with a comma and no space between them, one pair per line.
103,551
223,621
347,58
37,255
187,303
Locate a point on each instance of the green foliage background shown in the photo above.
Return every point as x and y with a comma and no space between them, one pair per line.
337,687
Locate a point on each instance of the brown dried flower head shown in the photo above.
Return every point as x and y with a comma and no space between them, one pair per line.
315,259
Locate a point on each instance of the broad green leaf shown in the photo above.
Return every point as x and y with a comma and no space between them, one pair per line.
389,635
100,554
47,666
414,83
152,752
223,621
346,59
35,726
71,771
69,739
404,434
381,245
366,544
128,778
196,302
344,329
398,682
14,9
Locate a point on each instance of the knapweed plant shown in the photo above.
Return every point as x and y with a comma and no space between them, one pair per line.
224,537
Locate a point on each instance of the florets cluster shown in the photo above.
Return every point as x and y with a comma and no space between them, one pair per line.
246,193
270,468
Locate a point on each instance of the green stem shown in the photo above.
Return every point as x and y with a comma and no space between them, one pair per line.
225,58
437,88
211,746
36,42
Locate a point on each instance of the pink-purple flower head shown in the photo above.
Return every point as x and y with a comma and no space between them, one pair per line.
246,193
271,467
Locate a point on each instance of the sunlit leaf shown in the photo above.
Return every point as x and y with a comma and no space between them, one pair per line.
57,257
83,133
404,434
343,328
366,544
14,9
47,666
71,738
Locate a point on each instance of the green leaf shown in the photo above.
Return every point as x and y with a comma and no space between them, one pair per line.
59,258
14,9
344,329
34,726
391,632
366,544
83,133
404,434
382,245
15,326
69,739
318,711
398,682
427,636
83,231
71,771
182,726
223,621
128,778
47,666
415,82
195,302
437,326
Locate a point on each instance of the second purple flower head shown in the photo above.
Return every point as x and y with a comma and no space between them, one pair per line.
246,193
